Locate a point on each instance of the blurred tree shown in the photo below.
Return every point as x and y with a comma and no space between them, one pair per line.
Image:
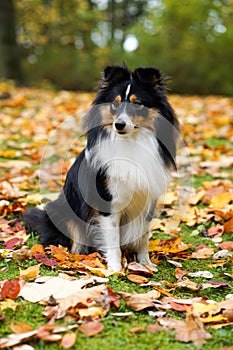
9,50
69,42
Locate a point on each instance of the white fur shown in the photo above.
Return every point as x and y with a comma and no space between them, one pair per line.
136,178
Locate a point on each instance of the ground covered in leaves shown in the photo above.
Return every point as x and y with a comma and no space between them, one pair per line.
52,299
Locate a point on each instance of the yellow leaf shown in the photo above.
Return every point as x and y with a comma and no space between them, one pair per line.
31,272
8,304
214,319
221,200
173,245
203,308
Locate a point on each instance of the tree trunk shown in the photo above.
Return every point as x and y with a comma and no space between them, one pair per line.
9,50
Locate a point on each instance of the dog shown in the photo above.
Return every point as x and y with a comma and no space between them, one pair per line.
111,190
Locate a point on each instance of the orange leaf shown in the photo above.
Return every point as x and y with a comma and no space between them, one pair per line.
10,289
68,340
91,328
227,246
173,245
37,249
20,327
228,226
137,279
137,329
31,272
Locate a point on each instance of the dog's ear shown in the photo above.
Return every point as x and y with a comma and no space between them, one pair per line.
148,76
115,74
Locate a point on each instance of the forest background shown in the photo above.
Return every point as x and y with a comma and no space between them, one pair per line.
67,44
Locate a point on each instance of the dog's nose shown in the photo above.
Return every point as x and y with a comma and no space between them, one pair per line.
120,125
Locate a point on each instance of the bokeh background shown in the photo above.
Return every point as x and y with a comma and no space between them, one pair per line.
67,43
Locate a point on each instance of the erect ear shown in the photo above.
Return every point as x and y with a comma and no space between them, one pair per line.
148,76
114,75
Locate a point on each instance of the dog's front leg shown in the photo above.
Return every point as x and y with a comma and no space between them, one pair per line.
111,241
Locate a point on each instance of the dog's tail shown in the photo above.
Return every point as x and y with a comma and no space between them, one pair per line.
50,230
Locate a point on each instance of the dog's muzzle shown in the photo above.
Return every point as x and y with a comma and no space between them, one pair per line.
123,124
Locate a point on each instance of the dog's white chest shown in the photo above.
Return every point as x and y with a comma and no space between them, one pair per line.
134,165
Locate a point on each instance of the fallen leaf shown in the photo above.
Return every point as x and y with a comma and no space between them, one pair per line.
137,279
8,304
59,287
227,245
20,327
30,273
216,230
203,253
37,249
10,289
221,200
228,226
140,269
68,340
138,302
202,274
173,245
91,328
21,255
191,329
137,329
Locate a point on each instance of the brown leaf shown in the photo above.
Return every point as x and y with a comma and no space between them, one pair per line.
10,289
203,253
137,279
227,245
216,230
137,329
21,254
113,298
91,328
228,226
60,288
68,340
191,329
20,327
138,302
140,269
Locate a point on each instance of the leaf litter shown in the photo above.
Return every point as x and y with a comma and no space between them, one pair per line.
81,291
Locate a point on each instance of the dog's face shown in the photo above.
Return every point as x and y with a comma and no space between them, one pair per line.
129,101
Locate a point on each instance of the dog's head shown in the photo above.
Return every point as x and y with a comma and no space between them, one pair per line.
130,100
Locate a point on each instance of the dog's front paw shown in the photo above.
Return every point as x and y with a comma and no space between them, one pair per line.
145,260
114,266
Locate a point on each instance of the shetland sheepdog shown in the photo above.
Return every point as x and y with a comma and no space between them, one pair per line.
111,190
